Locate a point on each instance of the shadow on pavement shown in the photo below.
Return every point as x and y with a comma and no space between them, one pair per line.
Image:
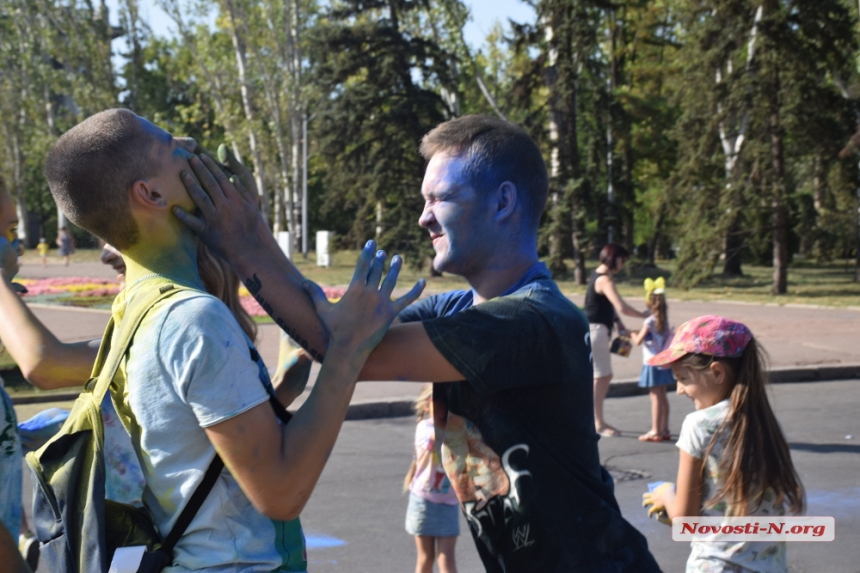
826,448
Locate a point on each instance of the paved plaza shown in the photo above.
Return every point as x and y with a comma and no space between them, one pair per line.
809,337
354,520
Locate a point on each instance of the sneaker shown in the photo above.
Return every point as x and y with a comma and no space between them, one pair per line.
28,545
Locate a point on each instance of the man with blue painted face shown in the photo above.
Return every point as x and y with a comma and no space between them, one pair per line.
510,356
191,382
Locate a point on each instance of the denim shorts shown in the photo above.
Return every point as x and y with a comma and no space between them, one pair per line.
431,519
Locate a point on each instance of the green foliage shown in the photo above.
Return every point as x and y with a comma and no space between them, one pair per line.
703,118
372,122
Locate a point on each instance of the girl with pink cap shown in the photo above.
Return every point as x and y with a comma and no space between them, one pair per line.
734,460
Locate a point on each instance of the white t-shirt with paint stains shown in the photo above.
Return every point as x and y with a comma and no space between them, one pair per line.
725,556
189,368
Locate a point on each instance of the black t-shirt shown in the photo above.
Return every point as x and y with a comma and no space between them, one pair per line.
519,447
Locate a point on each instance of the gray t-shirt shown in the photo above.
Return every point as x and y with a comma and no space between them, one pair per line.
189,367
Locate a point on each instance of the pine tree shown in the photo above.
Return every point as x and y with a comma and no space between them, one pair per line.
382,100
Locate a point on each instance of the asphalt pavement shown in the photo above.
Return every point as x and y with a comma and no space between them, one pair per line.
803,342
354,520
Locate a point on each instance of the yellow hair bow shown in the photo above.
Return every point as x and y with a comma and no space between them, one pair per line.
651,286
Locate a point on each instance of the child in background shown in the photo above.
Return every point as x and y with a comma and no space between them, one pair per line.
734,458
656,335
66,243
43,248
433,515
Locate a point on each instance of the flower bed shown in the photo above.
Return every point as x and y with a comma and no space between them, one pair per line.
71,291
99,293
250,304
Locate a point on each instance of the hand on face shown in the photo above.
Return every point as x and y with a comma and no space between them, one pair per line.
364,313
229,218
227,162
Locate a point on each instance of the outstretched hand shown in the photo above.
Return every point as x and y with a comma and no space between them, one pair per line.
229,220
362,316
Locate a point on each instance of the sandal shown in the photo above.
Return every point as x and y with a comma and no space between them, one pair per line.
608,431
666,436
652,437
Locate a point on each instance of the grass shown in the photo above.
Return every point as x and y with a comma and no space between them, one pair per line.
31,256
825,284
103,301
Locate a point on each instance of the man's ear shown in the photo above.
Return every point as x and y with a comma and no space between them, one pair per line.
506,201
146,195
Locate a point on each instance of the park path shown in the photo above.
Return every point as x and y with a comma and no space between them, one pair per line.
792,335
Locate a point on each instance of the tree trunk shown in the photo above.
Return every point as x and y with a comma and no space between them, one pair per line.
216,86
780,210
20,193
857,263
296,111
780,243
819,192
561,79
578,252
131,25
245,90
658,235
733,248
625,196
556,254
732,137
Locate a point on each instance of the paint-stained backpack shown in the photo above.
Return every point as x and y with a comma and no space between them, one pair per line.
77,528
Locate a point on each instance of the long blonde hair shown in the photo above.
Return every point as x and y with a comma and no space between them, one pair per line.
756,456
423,406
220,281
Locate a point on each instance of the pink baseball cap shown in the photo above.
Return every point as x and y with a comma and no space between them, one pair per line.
711,335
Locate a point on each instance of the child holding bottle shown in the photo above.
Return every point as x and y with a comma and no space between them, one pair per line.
734,459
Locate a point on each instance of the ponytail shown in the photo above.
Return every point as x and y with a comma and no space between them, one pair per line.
657,305
756,457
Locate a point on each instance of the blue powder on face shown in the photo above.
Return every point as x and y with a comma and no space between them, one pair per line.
182,153
158,133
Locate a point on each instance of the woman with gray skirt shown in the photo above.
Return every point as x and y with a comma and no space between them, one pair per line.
603,306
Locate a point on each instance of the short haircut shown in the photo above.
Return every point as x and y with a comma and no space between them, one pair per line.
91,167
612,253
494,151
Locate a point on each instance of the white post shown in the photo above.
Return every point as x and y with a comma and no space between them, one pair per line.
285,243
324,242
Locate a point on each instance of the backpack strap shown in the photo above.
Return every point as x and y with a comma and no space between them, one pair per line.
110,355
194,504
105,368
280,412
